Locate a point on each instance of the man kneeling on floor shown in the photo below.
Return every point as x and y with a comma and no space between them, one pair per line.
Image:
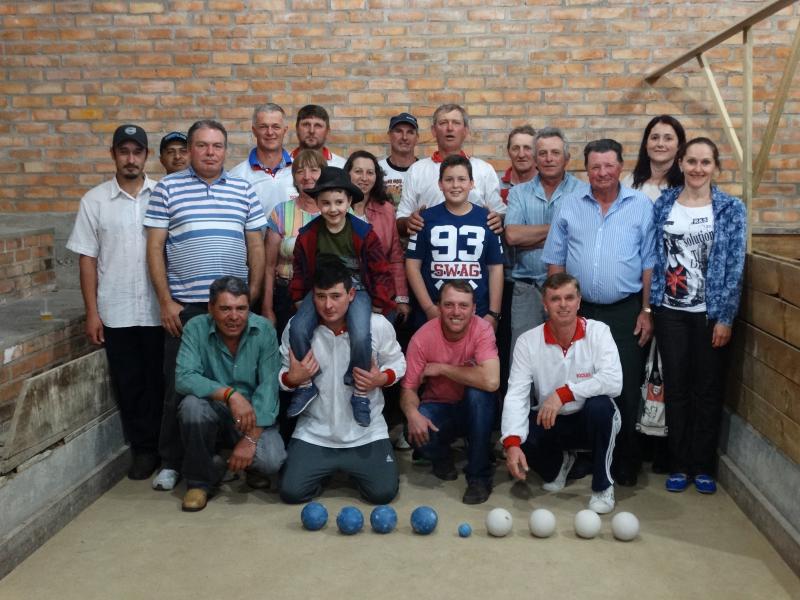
574,367
228,366
327,438
455,356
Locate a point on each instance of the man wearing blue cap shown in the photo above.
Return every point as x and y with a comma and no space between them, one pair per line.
173,153
403,137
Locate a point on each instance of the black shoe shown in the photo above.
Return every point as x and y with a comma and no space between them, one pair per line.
445,469
477,492
626,476
143,466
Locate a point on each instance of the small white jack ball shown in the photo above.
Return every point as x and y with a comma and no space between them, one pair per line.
542,523
587,524
499,522
625,526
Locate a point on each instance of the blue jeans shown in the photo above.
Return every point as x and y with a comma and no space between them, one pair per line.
358,328
472,419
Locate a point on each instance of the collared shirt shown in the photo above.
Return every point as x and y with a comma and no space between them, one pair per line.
205,364
528,205
606,253
109,228
588,367
328,421
421,187
271,185
207,225
506,184
333,160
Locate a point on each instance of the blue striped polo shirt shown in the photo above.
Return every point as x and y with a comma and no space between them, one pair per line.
606,253
206,224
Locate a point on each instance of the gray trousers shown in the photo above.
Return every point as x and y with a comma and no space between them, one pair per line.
527,310
207,426
308,466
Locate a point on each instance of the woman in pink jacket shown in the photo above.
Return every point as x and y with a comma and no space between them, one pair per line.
377,209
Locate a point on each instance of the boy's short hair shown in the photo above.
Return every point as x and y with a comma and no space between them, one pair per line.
455,160
460,285
330,271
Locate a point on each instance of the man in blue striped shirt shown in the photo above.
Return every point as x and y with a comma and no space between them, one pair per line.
211,226
604,236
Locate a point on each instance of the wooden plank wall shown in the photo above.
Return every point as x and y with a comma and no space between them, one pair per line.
764,381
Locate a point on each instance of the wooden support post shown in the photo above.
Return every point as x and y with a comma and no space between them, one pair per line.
719,103
777,112
747,156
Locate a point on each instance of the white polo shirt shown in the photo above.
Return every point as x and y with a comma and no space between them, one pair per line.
421,187
109,228
270,189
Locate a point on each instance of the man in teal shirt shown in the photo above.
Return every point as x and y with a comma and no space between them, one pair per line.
227,368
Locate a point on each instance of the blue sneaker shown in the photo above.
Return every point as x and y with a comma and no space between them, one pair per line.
677,482
705,484
301,398
360,406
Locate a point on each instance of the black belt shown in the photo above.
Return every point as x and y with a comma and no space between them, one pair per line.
627,298
528,280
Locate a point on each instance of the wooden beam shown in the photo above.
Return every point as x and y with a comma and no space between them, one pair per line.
747,108
719,103
768,10
777,112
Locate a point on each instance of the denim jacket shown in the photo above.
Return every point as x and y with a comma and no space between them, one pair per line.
726,259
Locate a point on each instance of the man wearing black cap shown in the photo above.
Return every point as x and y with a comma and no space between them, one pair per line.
122,311
403,137
173,153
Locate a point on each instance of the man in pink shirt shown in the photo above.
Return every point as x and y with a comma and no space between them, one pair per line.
455,356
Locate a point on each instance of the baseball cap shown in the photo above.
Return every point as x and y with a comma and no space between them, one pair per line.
128,133
172,136
403,118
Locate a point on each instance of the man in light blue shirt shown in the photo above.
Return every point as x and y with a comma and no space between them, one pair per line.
604,236
227,368
531,206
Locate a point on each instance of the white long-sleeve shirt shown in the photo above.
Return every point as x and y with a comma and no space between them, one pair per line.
589,367
421,187
328,421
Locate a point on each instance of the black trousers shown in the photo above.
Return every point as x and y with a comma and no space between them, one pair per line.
693,388
170,446
135,359
621,319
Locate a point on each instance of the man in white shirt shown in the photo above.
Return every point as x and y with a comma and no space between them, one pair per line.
403,137
327,438
122,311
312,128
268,168
574,367
421,186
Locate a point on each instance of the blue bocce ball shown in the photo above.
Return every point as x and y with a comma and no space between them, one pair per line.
314,516
350,520
464,530
383,519
423,520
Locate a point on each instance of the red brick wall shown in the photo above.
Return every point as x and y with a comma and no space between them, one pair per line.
70,71
26,264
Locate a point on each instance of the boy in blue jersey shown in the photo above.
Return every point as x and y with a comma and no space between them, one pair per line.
456,243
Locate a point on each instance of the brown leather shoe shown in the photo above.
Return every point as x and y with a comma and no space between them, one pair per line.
194,500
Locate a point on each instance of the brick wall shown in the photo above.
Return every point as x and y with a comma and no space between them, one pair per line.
70,71
26,263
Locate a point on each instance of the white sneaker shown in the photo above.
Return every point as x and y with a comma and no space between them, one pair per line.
561,479
602,502
166,480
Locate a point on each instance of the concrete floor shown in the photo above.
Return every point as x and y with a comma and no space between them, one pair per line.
135,543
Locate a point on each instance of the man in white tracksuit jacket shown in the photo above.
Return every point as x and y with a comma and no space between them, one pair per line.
573,365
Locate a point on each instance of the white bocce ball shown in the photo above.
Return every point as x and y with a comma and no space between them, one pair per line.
587,524
625,526
499,522
542,523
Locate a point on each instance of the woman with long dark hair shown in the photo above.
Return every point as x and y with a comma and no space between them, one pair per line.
696,286
656,168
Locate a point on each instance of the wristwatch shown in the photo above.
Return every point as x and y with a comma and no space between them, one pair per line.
647,309
495,315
